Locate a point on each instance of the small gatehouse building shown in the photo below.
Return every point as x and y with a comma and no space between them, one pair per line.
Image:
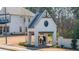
42,24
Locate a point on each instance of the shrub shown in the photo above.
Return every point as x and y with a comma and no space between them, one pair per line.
73,44
75,35
56,46
25,45
62,46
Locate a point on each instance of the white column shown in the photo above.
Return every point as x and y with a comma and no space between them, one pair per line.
54,38
36,39
60,42
29,38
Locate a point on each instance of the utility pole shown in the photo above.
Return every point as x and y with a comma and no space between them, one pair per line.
5,28
25,28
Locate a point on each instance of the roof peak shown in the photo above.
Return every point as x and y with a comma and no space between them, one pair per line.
36,18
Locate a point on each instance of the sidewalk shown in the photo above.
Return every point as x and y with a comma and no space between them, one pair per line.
13,48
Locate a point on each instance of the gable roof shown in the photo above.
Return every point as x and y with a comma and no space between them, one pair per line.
17,11
37,18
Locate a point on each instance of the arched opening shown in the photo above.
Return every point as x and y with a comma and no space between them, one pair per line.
45,39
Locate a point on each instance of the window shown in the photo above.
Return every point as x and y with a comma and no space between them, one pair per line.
26,29
46,23
6,29
29,20
20,29
24,20
0,30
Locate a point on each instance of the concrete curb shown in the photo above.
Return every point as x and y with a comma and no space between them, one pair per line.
13,48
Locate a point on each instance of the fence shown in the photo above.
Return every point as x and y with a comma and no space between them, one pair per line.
66,42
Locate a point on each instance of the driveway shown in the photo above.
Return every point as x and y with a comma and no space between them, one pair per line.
55,49
13,40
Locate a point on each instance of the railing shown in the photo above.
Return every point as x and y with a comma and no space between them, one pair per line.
4,21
